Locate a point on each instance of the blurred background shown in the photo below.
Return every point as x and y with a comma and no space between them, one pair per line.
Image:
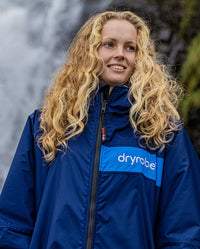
34,37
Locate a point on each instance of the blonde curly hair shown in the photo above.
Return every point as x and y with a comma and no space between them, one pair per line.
153,113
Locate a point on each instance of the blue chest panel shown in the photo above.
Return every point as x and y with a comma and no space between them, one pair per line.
131,159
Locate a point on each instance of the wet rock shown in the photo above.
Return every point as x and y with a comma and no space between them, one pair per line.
164,35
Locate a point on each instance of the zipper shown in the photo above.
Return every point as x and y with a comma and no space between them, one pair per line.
103,111
101,137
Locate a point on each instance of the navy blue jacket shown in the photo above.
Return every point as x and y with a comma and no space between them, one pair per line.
105,191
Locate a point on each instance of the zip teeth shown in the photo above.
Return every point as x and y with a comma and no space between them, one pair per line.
117,67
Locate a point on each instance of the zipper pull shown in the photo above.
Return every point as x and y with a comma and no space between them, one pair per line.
103,133
103,107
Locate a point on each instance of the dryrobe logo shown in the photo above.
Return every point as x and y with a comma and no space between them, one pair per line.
132,160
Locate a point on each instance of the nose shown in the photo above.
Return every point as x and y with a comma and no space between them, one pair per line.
119,53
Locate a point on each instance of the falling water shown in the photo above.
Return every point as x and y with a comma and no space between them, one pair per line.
34,36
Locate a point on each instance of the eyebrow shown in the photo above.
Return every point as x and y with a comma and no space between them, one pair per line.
114,40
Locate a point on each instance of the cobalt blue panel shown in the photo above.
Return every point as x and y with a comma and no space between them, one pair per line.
131,159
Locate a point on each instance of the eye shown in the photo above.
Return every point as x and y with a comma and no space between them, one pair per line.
130,48
109,44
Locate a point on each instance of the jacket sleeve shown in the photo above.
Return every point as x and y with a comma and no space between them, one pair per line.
178,220
17,213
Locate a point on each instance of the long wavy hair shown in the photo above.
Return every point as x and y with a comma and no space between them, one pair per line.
153,113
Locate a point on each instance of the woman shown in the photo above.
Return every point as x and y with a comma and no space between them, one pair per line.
105,163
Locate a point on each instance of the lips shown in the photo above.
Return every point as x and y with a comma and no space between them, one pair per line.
118,67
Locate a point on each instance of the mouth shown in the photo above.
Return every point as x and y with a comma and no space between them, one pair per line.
117,67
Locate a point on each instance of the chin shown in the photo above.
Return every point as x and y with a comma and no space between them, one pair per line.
116,83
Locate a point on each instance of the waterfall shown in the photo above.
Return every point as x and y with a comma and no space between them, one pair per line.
34,38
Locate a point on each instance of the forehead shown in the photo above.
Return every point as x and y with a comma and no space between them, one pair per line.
119,28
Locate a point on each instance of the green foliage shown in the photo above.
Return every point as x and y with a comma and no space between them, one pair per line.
190,76
190,8
153,2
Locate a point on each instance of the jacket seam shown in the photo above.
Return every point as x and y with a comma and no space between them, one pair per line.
97,208
10,226
87,201
170,145
175,242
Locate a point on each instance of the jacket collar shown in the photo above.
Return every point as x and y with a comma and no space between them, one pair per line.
117,101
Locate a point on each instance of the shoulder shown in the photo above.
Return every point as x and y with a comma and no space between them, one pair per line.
33,122
181,147
35,116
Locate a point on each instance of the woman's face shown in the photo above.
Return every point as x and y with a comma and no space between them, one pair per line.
117,49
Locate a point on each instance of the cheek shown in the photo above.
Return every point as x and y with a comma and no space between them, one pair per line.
132,63
103,54
100,53
132,60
